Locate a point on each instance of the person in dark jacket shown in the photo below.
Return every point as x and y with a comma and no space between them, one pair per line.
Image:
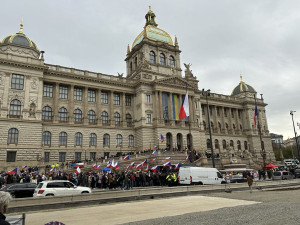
5,198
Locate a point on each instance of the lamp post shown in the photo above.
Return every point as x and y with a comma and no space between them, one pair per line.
206,94
296,139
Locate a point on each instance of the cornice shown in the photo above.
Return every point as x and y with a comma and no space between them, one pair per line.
22,64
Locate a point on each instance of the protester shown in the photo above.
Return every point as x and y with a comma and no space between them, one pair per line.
250,182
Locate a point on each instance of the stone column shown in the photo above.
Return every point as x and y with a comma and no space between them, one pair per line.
237,121
55,101
98,100
71,103
111,109
85,105
215,119
170,106
156,106
230,120
160,106
223,120
124,109
191,110
180,102
26,90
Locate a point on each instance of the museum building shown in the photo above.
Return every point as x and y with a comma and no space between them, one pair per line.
51,113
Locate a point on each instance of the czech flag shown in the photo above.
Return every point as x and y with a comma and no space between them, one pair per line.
184,108
167,164
24,167
78,170
154,153
155,147
127,157
109,165
177,166
95,166
132,165
154,160
52,170
155,168
14,171
148,167
255,115
98,167
145,162
140,166
168,158
78,165
117,165
162,138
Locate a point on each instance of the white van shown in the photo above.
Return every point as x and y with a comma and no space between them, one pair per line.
200,175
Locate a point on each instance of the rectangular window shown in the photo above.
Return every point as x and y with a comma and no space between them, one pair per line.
93,156
63,92
91,96
210,110
11,156
104,97
46,156
48,90
218,111
148,98
148,118
203,110
196,105
17,82
225,112
62,157
128,100
239,114
116,99
77,156
78,94
232,113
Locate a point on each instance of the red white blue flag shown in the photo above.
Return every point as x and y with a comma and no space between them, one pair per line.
14,171
145,162
24,167
140,166
132,165
168,158
177,166
255,115
167,164
95,166
184,108
127,157
155,168
52,170
162,138
153,160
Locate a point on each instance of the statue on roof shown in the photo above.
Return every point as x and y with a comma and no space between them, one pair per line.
188,71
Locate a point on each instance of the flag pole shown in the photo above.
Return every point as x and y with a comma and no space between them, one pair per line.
260,137
190,133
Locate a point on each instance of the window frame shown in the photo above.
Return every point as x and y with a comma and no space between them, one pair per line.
63,139
93,139
77,94
13,136
48,90
78,137
162,59
117,98
46,138
92,95
15,108
63,92
47,113
152,57
104,97
17,81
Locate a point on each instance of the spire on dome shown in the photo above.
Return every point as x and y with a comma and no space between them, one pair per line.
21,27
176,42
150,18
128,49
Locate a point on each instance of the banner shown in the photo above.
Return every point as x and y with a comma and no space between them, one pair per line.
175,106
165,106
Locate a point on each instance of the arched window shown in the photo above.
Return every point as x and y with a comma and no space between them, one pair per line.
217,146
106,140
92,117
63,114
212,126
231,144
241,128
78,139
162,59
135,63
208,143
47,113
77,116
63,138
152,57
119,140
220,127
245,145
131,141
226,126
15,108
93,139
13,135
204,125
104,116
171,61
239,145
224,144
46,139
117,118
233,126
129,120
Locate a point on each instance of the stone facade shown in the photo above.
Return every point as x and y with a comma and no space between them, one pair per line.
140,107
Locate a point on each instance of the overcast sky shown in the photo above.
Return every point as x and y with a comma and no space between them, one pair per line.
222,39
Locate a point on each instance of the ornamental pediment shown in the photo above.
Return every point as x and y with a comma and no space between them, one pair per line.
174,81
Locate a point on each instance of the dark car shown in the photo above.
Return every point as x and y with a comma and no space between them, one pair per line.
237,179
20,190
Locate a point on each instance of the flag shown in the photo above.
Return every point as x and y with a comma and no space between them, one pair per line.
187,157
14,171
177,166
155,168
59,173
148,167
52,170
155,147
162,138
127,157
168,158
167,164
140,166
154,153
78,170
154,160
255,115
109,164
145,162
127,167
95,166
132,165
184,109
98,167
24,167
116,165
77,165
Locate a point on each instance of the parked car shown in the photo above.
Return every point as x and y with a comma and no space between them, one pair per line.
237,179
282,175
20,190
59,188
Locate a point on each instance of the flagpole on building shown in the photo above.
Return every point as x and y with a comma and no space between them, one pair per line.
190,134
260,136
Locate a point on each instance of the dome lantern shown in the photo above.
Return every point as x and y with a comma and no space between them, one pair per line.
242,87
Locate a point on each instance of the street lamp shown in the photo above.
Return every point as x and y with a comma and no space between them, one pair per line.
206,94
296,139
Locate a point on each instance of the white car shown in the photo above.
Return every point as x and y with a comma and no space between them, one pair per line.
59,188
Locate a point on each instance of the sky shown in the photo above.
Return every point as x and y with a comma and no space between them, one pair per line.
221,39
